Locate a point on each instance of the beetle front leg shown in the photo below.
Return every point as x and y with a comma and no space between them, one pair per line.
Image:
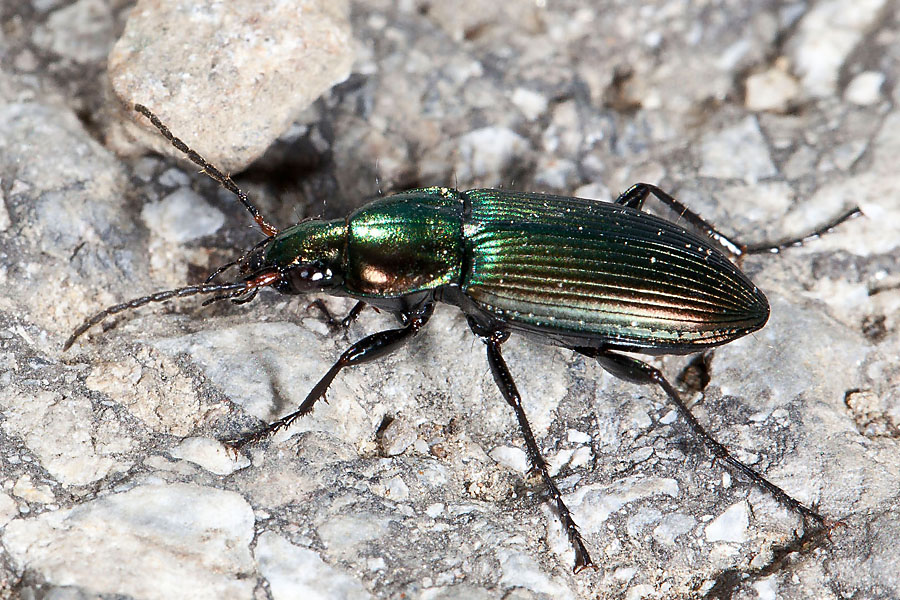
333,322
504,381
635,371
367,349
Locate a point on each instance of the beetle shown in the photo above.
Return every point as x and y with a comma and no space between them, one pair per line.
598,278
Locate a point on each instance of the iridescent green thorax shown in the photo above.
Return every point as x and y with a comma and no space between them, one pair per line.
405,243
308,241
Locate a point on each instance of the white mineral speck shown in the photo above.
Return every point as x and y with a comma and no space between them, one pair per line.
767,589
27,489
771,90
397,437
671,526
210,454
577,437
182,216
488,150
513,458
531,103
731,525
521,570
865,88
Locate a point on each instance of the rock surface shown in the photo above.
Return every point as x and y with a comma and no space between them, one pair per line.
232,76
409,481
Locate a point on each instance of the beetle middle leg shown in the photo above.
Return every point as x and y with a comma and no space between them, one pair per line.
367,349
636,371
504,381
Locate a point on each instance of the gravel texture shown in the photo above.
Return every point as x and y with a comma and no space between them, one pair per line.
765,117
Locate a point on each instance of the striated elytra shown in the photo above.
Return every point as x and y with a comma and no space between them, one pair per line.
595,277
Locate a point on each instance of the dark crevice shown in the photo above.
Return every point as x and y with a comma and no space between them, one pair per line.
696,375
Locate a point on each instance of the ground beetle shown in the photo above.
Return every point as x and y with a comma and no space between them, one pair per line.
598,278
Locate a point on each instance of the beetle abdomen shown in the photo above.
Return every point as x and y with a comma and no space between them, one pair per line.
581,268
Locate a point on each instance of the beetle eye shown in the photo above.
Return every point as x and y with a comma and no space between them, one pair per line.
314,273
306,277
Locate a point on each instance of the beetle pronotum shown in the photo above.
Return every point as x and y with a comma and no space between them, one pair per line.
598,278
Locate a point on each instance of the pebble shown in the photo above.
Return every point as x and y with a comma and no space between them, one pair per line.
227,77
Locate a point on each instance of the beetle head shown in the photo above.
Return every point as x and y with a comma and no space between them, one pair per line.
302,259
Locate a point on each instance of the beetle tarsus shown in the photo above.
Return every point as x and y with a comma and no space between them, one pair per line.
636,371
503,379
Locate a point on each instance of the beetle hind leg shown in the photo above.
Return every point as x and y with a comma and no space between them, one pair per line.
634,198
504,381
636,371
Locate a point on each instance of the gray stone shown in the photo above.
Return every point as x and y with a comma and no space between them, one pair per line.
826,35
202,539
229,77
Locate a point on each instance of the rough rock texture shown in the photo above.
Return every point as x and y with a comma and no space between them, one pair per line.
767,118
231,75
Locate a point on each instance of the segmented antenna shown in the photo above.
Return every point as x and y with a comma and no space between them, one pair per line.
221,178
231,290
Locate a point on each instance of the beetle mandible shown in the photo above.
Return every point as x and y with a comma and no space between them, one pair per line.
595,277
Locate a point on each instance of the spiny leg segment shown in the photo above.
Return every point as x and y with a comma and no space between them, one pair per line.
365,350
636,371
503,379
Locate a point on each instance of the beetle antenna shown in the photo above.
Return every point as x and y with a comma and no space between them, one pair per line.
215,174
227,290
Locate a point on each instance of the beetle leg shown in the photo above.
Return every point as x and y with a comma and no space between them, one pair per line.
635,371
776,247
634,198
504,381
333,323
367,349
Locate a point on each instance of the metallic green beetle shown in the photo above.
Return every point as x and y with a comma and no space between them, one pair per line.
598,278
